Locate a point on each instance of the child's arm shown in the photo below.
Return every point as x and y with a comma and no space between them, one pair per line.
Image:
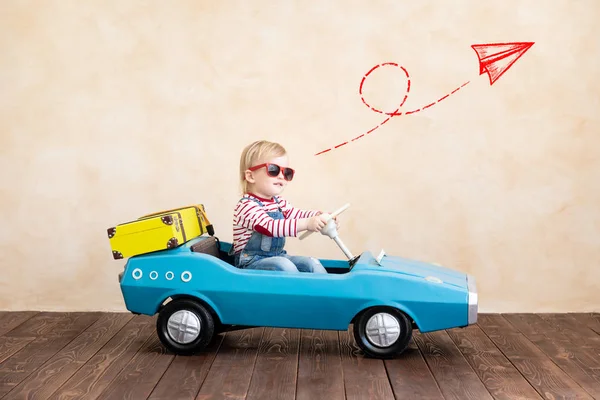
291,212
304,216
250,215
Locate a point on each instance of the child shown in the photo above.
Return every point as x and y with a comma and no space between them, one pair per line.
262,218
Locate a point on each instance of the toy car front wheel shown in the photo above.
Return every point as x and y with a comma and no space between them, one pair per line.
185,326
382,332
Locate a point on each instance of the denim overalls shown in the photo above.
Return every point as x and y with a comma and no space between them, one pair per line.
266,252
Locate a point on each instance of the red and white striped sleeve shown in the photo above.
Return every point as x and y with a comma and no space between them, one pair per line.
290,212
249,214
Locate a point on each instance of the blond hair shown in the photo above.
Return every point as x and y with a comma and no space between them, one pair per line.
254,152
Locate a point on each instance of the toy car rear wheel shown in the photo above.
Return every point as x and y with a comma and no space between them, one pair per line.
185,326
382,332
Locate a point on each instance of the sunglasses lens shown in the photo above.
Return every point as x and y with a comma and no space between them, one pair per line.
273,170
288,174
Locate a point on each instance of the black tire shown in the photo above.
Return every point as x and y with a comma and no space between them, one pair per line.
193,308
375,350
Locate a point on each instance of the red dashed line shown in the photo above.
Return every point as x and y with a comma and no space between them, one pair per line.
321,152
396,112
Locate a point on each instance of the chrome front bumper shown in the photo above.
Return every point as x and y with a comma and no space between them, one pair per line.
473,303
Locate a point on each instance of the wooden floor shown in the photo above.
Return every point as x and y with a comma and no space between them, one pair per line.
118,356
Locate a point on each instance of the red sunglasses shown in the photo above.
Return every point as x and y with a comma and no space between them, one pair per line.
274,170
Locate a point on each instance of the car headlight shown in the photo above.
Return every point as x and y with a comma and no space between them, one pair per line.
473,303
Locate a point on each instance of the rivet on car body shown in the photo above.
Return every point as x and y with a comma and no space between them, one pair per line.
186,276
137,274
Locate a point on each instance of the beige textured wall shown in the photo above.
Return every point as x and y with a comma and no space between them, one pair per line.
113,109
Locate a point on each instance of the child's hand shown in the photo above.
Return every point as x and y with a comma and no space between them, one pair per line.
337,223
315,223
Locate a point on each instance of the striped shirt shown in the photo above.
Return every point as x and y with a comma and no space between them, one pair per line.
249,216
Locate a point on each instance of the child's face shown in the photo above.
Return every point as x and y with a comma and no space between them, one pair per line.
263,185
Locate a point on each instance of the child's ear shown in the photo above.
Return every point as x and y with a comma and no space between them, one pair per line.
249,176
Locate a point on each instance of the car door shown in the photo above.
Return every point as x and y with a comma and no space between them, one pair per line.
298,300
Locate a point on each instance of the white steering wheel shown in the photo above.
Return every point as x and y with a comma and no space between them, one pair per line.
327,217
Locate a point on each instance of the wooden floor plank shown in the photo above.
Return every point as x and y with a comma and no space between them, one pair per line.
38,325
596,317
185,375
11,345
320,366
364,378
454,375
276,369
496,372
546,377
496,324
142,373
532,326
58,369
19,366
539,328
591,320
578,362
231,371
578,333
410,376
11,320
91,379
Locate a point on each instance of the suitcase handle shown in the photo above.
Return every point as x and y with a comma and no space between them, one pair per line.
200,212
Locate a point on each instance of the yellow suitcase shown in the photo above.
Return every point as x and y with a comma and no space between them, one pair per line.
188,213
158,231
147,235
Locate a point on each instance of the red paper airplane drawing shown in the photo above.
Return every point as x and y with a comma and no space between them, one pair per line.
494,59
497,58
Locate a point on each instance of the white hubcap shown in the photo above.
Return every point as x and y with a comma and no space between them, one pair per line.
383,329
184,326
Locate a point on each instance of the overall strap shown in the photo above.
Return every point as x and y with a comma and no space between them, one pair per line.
278,204
253,199
276,198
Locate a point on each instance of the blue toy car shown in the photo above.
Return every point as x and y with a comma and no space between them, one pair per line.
198,293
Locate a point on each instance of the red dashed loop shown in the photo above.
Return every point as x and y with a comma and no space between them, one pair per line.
396,112
362,82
